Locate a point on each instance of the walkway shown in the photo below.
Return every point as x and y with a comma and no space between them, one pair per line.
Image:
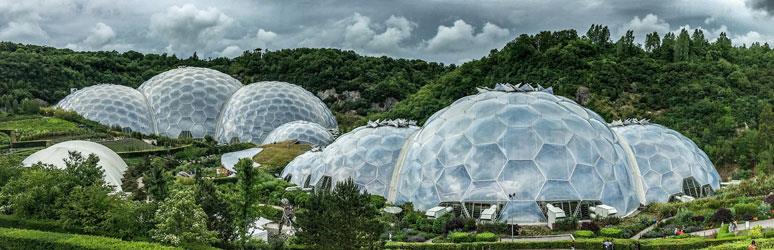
764,223
556,237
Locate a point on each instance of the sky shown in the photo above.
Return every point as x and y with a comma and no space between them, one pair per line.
449,31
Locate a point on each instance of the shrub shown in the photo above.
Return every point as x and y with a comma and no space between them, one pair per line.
439,224
745,211
698,219
768,234
534,230
566,224
610,220
470,224
756,232
611,232
590,226
769,199
486,237
495,227
32,239
454,224
459,237
722,215
584,234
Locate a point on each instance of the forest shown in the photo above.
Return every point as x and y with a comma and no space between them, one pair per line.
717,94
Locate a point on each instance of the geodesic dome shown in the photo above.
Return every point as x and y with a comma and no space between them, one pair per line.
519,149
302,131
112,105
188,99
669,163
109,161
257,109
299,170
366,154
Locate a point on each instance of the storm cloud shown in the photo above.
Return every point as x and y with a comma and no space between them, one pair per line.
451,31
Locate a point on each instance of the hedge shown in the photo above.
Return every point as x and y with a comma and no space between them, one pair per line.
611,232
33,239
584,234
596,243
10,221
742,245
486,237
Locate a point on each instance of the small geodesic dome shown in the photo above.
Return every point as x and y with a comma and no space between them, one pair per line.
669,163
109,161
299,170
112,105
257,109
301,131
366,154
188,99
520,148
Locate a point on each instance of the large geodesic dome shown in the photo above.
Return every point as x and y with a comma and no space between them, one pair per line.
299,170
519,148
257,109
112,105
669,163
56,155
302,131
188,99
366,154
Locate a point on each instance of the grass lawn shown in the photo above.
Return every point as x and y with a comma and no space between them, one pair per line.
40,128
128,144
276,156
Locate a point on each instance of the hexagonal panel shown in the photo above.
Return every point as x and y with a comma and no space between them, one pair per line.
555,162
455,150
520,143
485,161
521,179
453,180
518,116
486,130
587,182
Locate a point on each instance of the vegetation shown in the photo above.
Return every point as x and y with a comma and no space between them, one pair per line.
33,239
274,157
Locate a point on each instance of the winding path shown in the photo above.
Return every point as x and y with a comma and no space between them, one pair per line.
764,223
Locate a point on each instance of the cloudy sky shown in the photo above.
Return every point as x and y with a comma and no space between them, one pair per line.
449,31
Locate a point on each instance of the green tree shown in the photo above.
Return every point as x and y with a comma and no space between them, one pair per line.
682,48
245,211
220,217
84,171
180,220
157,181
652,41
86,208
345,208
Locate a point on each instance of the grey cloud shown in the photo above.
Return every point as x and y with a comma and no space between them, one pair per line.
187,28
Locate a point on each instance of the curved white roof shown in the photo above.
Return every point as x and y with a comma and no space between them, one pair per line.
257,109
300,168
111,105
109,161
188,99
302,131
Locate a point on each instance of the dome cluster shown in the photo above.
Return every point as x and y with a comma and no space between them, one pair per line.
112,164
518,147
199,102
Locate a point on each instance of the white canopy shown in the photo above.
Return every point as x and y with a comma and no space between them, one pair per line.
109,161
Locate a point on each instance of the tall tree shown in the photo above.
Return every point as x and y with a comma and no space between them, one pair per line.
682,49
652,41
345,208
699,44
220,217
246,191
157,181
599,35
180,220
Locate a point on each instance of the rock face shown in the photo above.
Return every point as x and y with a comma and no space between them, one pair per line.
582,95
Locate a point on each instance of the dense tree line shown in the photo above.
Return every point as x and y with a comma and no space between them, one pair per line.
48,74
716,94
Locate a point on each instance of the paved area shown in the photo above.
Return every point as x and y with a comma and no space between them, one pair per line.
557,237
648,229
764,223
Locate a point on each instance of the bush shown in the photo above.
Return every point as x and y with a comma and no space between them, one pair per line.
495,227
534,231
486,237
439,224
459,237
584,234
590,226
610,220
611,232
454,224
756,232
32,239
566,224
470,224
746,211
722,215
769,199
